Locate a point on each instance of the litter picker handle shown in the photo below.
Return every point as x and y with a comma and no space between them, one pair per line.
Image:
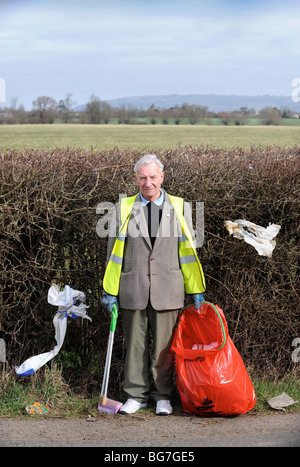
113,323
114,317
106,369
109,352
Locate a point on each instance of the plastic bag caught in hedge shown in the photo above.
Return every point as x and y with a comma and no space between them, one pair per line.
66,301
261,238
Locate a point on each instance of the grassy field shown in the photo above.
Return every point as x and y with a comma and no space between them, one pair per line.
143,136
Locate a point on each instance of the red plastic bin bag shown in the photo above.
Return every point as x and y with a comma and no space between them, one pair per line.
211,376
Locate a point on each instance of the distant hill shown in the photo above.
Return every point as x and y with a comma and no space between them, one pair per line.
214,103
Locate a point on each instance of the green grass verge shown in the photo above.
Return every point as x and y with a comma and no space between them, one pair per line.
49,388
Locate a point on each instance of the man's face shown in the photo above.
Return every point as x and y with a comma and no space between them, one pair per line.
149,179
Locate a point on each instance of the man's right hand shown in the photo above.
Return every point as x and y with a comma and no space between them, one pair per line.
109,301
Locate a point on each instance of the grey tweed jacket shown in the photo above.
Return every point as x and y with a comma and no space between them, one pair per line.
150,273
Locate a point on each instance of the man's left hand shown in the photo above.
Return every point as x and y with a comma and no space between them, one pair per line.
198,298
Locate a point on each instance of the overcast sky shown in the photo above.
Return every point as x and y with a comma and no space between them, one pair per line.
115,48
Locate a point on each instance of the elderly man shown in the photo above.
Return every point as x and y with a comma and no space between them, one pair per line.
151,263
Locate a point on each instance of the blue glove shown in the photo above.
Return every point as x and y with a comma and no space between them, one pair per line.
109,301
198,298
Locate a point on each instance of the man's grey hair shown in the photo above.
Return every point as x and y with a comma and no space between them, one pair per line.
147,159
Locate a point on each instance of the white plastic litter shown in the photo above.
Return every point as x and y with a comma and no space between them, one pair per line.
66,301
280,402
261,238
212,345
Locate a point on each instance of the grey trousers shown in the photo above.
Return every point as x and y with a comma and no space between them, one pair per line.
139,363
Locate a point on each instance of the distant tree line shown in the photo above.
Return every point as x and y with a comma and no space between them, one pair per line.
45,109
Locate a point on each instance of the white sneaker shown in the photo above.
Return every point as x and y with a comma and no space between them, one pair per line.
131,406
164,408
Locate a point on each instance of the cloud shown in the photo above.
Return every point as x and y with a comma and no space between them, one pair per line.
152,46
56,29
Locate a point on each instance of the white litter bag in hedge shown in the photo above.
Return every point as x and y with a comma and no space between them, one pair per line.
67,301
262,239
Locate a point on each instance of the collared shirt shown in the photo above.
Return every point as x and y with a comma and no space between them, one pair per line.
158,201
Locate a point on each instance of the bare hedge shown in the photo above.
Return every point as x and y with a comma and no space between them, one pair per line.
48,234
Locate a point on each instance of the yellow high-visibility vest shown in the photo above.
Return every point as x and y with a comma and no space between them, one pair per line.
191,268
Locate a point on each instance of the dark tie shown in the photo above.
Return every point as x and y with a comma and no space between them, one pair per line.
154,217
149,207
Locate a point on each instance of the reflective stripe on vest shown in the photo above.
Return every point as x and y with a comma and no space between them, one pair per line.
191,268
113,270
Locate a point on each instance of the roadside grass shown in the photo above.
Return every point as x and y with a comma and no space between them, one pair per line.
143,137
49,387
266,388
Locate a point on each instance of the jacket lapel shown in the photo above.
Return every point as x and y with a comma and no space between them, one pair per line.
140,220
166,221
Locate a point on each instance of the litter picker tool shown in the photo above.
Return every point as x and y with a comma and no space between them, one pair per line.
105,404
